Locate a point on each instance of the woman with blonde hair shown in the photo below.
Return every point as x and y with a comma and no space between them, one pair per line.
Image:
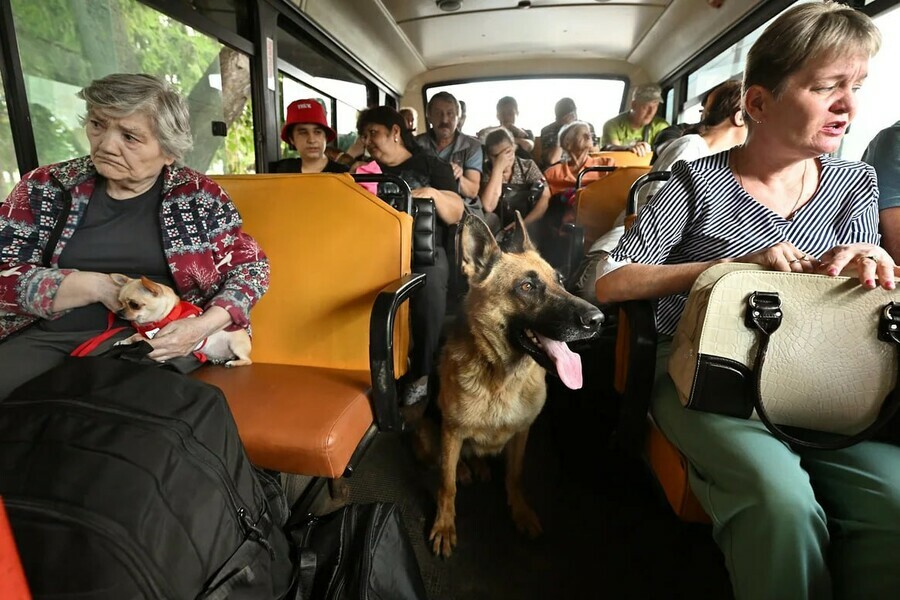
792,523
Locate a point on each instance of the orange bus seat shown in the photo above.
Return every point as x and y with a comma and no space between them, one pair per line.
305,404
625,158
636,341
598,204
13,585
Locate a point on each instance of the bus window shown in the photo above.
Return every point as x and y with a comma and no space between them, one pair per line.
65,45
9,175
597,100
317,69
877,107
291,90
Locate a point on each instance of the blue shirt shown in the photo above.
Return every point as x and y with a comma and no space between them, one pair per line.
703,214
883,153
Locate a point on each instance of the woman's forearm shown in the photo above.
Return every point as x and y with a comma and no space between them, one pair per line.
81,288
490,196
449,206
636,281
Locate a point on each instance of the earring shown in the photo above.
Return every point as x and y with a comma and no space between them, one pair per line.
395,140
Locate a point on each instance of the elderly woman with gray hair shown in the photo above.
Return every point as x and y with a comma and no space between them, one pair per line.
792,523
127,208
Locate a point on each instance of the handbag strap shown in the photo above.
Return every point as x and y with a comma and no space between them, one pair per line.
764,314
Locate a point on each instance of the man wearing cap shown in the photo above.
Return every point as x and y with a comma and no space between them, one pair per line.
551,152
636,128
306,130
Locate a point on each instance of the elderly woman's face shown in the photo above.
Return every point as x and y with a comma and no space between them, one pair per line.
816,104
125,150
579,140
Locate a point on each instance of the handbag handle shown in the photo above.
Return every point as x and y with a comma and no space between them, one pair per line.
764,315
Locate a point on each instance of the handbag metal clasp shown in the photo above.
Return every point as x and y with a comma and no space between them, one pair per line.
763,311
889,323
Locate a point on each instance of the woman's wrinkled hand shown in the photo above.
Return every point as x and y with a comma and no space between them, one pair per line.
869,262
178,338
641,148
783,256
107,292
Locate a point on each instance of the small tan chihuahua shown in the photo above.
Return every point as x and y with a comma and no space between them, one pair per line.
148,305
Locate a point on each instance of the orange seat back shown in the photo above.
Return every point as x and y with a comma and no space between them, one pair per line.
332,246
599,203
626,158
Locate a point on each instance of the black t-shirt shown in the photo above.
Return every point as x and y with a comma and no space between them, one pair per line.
425,170
293,165
115,236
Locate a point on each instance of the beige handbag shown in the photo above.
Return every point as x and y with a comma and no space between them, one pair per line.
814,357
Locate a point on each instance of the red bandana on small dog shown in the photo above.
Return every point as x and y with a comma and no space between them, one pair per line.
182,310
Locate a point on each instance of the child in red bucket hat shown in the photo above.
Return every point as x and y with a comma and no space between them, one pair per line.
306,130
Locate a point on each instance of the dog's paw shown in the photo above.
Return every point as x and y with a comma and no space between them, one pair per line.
526,520
443,538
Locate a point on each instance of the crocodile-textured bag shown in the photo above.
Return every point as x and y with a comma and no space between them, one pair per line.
813,357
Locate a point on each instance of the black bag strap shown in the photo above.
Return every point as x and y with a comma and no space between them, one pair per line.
60,224
764,314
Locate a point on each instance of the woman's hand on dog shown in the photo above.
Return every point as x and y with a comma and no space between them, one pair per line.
180,338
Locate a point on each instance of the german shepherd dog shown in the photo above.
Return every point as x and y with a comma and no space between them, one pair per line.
515,323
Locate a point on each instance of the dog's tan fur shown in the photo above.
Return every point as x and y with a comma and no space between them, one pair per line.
490,390
145,301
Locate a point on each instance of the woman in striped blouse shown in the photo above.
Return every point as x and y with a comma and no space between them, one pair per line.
807,524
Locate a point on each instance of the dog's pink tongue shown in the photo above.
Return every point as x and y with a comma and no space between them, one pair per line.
568,364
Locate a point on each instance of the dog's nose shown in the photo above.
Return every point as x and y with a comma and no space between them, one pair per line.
591,319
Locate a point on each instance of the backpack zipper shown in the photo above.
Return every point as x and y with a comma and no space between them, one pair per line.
136,560
242,515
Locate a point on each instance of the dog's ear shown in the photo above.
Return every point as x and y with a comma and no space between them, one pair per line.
119,279
151,286
478,248
518,241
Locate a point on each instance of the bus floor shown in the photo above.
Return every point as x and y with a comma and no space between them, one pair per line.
607,532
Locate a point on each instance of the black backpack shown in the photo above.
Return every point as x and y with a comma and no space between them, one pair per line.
129,481
360,551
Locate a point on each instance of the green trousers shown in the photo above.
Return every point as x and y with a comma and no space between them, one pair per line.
792,525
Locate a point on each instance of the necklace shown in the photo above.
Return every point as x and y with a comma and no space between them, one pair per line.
802,183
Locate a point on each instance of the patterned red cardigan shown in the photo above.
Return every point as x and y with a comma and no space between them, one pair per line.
212,261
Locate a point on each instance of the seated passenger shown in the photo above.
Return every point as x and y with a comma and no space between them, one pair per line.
306,130
392,146
507,168
507,111
636,128
411,116
722,127
133,211
551,152
883,153
576,140
444,140
791,523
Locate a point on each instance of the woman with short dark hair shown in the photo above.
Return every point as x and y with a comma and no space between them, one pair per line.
390,143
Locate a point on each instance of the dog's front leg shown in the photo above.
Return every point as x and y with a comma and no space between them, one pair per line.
523,516
134,339
443,533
